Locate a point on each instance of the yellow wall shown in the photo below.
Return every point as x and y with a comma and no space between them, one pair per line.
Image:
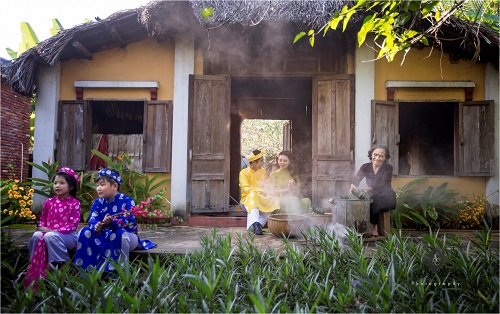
420,66
163,176
142,61
465,186
147,60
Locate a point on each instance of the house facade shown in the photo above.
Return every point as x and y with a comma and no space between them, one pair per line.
175,101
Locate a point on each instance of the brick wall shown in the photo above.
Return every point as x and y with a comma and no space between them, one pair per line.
15,112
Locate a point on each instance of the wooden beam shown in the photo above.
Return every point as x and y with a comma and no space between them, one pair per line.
117,37
82,50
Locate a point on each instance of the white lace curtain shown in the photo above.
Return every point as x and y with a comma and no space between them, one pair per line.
119,143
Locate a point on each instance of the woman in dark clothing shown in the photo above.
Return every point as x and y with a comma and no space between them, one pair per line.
378,174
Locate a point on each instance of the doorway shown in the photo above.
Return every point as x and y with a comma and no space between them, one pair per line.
272,99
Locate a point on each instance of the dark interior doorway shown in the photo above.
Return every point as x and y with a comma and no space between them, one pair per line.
279,99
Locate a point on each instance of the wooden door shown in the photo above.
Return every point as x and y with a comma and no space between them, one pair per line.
385,129
287,136
208,143
332,137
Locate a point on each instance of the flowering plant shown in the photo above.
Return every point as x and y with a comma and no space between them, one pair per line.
471,213
16,200
153,207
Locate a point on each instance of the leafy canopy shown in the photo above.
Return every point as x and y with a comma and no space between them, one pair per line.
395,24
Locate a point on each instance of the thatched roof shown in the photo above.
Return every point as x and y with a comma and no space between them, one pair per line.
4,64
163,19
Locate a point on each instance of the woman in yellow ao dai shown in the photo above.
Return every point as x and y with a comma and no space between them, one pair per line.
286,184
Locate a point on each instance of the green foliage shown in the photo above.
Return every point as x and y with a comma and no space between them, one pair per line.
207,12
137,185
86,186
13,263
431,208
43,186
56,27
434,274
265,135
482,12
16,200
29,38
86,193
319,210
394,23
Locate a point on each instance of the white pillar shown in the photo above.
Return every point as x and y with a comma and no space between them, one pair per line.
46,105
365,92
492,93
183,67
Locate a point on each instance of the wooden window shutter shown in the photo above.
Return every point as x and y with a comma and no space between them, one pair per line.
385,128
475,141
158,136
72,138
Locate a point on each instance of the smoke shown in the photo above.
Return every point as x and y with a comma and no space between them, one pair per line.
302,224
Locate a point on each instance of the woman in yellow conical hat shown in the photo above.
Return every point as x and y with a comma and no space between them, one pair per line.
253,196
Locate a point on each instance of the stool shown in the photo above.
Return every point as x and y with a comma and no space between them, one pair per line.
384,223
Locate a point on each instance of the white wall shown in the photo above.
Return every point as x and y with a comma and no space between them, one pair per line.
364,93
183,67
45,122
492,93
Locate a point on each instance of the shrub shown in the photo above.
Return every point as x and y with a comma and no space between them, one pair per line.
433,274
140,186
14,261
470,213
430,208
16,200
135,184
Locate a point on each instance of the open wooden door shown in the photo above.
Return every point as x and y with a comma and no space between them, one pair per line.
385,129
332,137
475,141
208,143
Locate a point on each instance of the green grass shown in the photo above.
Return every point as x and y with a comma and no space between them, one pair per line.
20,226
433,274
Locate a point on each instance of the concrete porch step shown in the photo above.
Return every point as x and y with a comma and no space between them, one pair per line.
217,220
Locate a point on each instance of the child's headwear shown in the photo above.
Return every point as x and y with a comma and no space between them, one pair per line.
253,157
105,172
69,172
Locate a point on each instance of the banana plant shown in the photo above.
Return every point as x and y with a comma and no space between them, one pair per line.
29,38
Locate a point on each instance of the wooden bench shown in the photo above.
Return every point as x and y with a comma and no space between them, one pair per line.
384,223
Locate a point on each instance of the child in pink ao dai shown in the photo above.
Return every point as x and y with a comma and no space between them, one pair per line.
56,231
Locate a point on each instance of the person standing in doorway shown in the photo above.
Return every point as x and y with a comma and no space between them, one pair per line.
253,194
